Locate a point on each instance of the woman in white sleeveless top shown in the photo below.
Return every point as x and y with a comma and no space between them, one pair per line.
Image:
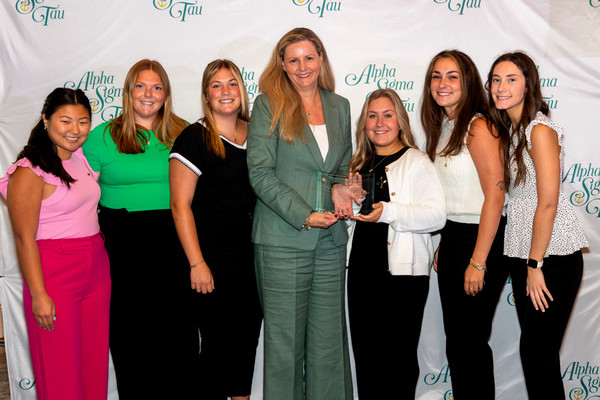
467,154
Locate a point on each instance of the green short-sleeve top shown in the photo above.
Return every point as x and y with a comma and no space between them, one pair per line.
136,182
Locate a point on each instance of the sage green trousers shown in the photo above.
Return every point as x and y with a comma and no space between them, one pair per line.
305,336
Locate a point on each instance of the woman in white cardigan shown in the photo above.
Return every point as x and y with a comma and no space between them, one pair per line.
391,253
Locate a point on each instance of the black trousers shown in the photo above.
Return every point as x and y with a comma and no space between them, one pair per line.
542,332
468,319
386,314
153,339
229,318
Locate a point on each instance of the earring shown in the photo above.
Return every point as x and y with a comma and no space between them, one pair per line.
45,127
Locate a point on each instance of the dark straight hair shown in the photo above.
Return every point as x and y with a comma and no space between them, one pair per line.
40,150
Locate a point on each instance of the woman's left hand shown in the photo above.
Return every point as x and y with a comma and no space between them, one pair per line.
537,290
373,216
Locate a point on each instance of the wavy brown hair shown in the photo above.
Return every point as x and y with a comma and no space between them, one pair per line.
473,100
532,103
286,104
167,125
364,147
212,138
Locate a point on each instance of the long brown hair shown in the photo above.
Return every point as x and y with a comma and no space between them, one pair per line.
532,103
473,100
212,138
364,147
286,104
166,126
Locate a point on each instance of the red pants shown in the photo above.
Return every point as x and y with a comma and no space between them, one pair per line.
70,362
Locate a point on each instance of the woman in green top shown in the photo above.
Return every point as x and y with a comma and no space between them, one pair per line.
131,154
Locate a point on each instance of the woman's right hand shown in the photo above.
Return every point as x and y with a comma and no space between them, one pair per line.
43,311
202,279
322,220
537,290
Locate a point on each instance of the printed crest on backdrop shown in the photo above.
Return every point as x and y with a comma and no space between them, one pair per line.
595,3
438,379
40,12
319,7
382,77
547,84
251,84
510,297
179,9
586,378
459,5
105,97
587,194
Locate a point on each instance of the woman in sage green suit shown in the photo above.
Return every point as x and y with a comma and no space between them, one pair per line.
299,127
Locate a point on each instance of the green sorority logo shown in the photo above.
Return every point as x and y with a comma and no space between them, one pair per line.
39,13
587,379
546,83
102,93
319,7
179,9
26,384
588,197
510,299
383,77
459,5
595,3
443,376
250,84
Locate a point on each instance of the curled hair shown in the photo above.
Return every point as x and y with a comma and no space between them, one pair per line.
166,126
472,101
532,103
364,147
40,150
213,141
286,104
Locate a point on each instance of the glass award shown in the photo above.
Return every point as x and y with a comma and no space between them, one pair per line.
324,182
368,185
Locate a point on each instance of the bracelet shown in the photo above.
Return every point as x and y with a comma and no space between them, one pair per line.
480,267
198,263
306,224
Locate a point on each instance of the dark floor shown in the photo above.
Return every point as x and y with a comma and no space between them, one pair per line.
4,390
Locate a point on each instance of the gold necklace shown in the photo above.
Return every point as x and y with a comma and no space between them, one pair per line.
383,159
376,165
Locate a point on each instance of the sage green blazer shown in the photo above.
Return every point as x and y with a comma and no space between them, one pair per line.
283,175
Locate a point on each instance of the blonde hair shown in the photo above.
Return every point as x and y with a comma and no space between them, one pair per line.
212,138
364,147
286,104
166,126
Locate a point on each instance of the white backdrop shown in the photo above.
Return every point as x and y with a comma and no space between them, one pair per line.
377,43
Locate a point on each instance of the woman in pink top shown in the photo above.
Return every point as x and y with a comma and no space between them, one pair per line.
52,195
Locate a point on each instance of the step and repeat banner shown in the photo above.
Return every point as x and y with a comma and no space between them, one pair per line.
372,44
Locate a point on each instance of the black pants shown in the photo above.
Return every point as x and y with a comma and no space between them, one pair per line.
468,319
153,340
229,318
386,314
542,332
